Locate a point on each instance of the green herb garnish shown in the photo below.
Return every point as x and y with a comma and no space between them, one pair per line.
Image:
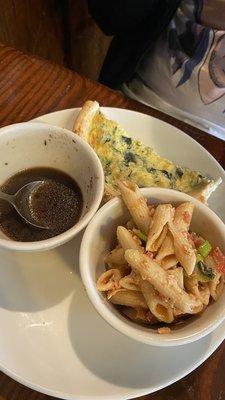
205,248
206,272
140,234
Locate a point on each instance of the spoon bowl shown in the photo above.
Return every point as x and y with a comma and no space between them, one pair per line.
22,202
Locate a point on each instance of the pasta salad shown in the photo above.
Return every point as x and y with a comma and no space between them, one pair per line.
160,271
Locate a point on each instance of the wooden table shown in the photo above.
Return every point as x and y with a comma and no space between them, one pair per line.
30,87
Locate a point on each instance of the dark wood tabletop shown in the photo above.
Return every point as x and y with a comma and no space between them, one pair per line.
30,87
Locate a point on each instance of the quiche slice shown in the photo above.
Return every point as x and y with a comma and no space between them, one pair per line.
125,158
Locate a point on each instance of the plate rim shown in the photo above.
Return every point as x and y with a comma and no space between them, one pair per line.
128,396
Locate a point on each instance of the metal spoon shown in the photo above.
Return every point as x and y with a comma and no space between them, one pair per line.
22,200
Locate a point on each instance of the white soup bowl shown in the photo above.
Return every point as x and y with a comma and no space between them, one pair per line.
34,144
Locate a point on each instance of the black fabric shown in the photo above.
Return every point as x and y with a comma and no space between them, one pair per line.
136,25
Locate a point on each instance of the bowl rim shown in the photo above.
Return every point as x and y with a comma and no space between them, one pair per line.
101,306
60,239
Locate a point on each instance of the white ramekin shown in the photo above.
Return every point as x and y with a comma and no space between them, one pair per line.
34,144
99,238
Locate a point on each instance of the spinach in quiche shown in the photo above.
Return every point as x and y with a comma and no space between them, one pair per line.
125,158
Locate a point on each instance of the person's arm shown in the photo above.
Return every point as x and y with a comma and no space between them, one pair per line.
117,16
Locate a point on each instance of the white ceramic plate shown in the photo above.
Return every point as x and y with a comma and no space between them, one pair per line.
52,339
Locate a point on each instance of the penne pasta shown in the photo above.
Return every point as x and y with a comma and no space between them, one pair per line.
123,269
128,240
136,204
109,280
169,261
216,286
164,283
204,293
184,252
183,215
159,241
182,218
151,208
158,306
191,284
178,275
140,315
200,290
130,282
163,214
129,298
166,254
116,256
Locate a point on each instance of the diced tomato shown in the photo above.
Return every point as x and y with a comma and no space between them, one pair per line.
186,217
219,259
198,240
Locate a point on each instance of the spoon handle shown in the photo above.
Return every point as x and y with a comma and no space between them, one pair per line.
7,197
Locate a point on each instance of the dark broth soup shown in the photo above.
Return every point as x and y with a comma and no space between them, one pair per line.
58,203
